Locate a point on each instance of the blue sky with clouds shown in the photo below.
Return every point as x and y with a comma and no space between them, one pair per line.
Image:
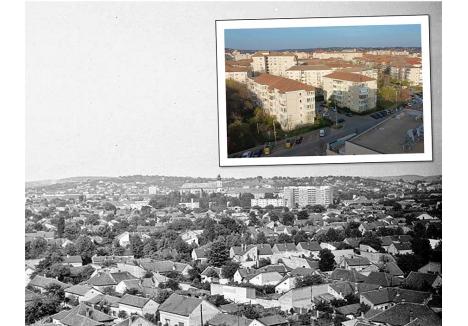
322,37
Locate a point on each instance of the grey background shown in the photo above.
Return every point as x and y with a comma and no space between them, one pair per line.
130,88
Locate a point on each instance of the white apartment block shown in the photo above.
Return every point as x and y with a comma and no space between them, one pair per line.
240,56
273,63
290,101
412,74
347,56
302,196
309,74
239,74
264,202
354,91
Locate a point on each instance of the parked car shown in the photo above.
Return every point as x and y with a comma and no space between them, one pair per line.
349,114
341,120
247,154
257,153
299,140
322,132
288,143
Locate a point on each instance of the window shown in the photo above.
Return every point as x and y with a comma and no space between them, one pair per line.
168,321
181,324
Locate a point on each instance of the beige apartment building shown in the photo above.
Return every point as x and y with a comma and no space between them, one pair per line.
290,101
273,63
354,91
410,73
309,74
237,73
345,55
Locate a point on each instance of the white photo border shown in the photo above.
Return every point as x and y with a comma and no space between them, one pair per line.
222,25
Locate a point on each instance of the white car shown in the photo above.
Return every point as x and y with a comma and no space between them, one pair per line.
322,132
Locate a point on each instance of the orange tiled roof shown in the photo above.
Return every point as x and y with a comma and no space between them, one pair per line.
282,84
348,76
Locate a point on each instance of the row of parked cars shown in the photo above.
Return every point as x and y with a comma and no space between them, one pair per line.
382,114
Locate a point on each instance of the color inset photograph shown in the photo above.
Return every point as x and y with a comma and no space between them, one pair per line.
324,90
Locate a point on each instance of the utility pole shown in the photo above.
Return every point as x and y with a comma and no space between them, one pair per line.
274,130
201,314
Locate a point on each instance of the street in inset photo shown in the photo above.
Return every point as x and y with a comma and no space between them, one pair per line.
326,92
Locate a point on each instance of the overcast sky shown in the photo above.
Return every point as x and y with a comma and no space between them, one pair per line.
322,37
130,88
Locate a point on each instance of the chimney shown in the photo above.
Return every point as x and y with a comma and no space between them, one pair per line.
411,315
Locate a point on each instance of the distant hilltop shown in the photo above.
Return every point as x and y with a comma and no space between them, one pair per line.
179,180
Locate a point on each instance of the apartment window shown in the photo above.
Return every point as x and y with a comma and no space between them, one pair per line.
181,324
168,322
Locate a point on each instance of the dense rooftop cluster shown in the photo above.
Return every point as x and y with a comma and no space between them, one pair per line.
181,251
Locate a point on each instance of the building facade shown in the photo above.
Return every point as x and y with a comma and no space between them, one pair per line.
309,74
290,101
302,196
273,63
354,91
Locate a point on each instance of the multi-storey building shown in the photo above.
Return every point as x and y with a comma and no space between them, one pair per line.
354,91
301,196
237,55
264,202
411,73
309,74
273,63
237,73
290,101
345,55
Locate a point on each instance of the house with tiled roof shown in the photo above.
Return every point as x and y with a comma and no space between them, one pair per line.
351,275
81,292
355,262
384,279
385,298
403,314
138,305
105,279
284,250
135,320
400,248
253,252
417,280
431,268
272,320
178,310
225,319
309,249
82,315
200,254
41,283
74,261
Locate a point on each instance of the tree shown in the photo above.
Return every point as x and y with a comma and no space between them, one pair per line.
55,291
136,246
162,296
318,209
217,300
218,254
61,226
303,215
85,246
122,314
40,307
287,218
300,236
261,238
327,260
229,269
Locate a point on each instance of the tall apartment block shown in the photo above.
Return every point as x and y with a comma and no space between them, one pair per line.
301,196
273,63
354,91
290,101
